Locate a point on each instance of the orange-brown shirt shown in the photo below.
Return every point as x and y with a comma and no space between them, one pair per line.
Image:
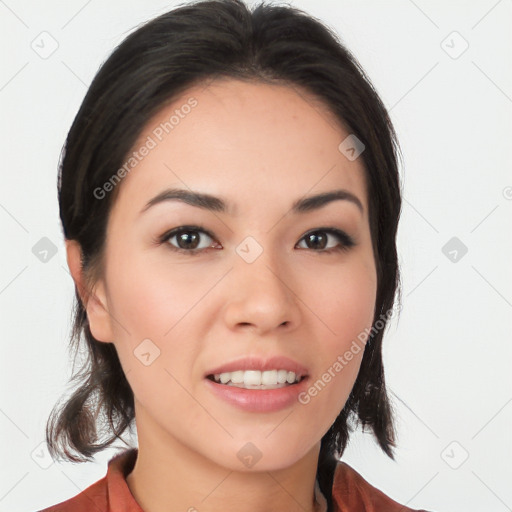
351,492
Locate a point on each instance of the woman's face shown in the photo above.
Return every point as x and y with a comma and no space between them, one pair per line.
254,279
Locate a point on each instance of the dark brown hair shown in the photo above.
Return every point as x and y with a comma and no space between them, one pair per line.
186,46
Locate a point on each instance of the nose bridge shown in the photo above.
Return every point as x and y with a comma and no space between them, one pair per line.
260,267
260,287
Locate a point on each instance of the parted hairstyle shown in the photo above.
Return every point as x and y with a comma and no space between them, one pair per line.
189,45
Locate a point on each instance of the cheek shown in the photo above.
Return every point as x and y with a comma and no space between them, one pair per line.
150,296
150,299
150,307
345,304
347,301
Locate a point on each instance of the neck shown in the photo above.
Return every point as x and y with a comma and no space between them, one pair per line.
168,474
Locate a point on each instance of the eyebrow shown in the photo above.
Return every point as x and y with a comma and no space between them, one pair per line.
216,204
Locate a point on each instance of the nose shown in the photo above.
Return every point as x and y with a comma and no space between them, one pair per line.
261,296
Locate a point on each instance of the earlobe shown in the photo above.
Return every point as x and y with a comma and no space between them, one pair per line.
94,300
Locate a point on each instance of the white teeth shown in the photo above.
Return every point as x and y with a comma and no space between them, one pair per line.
269,378
236,377
256,378
252,378
281,376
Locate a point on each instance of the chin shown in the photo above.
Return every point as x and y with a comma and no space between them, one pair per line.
260,454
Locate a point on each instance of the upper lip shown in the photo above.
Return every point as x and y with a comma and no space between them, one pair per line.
257,363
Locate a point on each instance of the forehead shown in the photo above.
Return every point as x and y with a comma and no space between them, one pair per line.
243,140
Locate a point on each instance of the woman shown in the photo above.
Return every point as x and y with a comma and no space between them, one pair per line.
229,195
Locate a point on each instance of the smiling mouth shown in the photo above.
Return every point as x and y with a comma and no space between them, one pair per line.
255,379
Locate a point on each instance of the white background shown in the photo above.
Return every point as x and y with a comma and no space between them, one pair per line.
447,359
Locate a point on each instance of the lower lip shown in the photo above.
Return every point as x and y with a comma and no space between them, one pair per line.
259,400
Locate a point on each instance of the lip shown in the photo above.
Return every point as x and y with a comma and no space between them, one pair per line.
256,363
259,400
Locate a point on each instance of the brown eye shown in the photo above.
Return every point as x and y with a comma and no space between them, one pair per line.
188,239
318,240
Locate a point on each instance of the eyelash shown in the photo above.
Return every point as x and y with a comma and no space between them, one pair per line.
346,241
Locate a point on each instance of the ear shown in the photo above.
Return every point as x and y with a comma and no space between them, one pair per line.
94,300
